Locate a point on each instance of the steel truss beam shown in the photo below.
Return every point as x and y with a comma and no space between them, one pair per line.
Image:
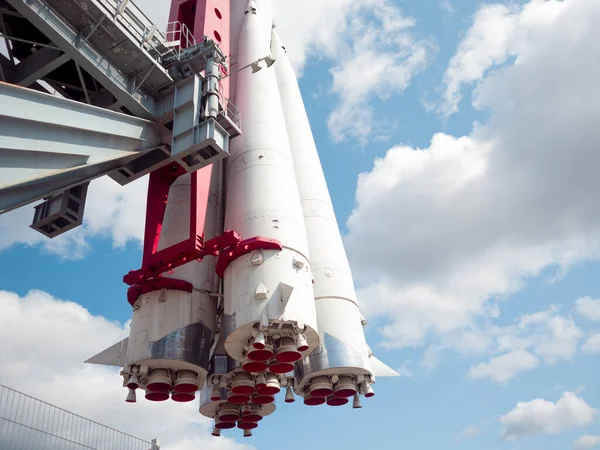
38,65
49,144
84,54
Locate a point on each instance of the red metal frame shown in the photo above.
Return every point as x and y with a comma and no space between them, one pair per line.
227,246
155,262
156,285
206,18
243,248
156,203
202,17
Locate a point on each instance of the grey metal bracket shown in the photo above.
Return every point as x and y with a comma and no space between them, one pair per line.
49,144
62,212
197,142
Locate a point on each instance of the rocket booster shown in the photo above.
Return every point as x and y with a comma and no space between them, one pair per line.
268,303
268,293
343,353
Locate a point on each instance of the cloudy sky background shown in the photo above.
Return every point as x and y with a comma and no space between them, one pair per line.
460,142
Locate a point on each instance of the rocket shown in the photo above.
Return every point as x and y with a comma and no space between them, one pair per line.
269,305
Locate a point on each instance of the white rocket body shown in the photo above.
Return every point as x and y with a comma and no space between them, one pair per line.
265,288
285,314
174,329
343,350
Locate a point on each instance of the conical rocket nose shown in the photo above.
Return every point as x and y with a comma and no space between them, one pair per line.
251,8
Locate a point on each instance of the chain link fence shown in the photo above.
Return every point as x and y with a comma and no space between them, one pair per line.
27,423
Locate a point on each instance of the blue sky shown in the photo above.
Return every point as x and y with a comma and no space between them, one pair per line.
463,178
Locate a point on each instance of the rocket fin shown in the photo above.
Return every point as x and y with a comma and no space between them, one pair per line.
381,369
112,356
286,292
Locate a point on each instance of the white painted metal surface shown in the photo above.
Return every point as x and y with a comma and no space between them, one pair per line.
262,200
335,297
337,307
160,314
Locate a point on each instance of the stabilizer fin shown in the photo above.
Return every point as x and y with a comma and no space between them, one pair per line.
112,356
381,369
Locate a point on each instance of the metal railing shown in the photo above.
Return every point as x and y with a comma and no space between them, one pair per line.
133,21
143,31
179,37
230,111
179,32
27,423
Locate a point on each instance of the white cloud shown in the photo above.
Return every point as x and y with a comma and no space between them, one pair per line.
468,432
371,38
447,7
541,416
372,49
592,344
440,235
502,368
542,337
46,340
553,337
588,308
306,34
379,46
587,441
404,369
111,210
488,42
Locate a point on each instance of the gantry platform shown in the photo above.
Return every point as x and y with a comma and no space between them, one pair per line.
91,88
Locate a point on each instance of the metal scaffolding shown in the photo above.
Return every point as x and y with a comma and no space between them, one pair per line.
90,88
27,423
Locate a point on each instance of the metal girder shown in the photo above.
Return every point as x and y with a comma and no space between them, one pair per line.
6,42
82,81
2,71
10,71
102,98
93,61
38,65
48,144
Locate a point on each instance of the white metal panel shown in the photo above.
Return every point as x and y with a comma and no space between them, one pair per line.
337,310
176,225
164,313
262,196
159,314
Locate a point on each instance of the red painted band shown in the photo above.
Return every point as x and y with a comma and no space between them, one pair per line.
156,285
243,248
